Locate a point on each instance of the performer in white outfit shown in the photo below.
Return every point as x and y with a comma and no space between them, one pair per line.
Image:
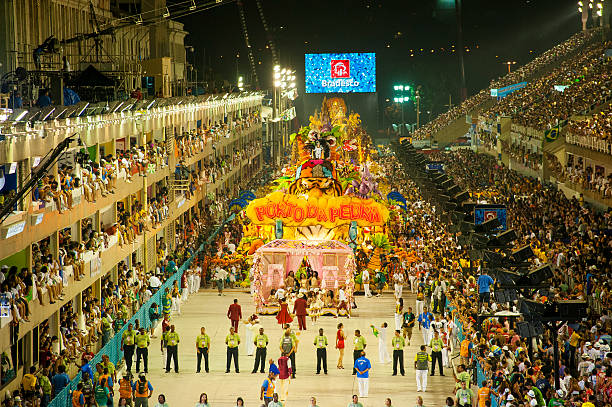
383,353
398,279
366,282
252,327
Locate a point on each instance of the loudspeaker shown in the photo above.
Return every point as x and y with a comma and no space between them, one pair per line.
572,310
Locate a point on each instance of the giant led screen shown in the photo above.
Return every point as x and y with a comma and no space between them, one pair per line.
340,73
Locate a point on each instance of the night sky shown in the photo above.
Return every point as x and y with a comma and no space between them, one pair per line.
494,31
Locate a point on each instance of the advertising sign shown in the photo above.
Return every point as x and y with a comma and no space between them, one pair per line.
340,73
506,90
483,213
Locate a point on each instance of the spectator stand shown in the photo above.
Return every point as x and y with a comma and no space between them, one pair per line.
113,347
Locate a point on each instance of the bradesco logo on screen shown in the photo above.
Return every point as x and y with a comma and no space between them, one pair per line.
340,72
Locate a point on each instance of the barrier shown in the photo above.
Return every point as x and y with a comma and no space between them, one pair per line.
113,347
480,373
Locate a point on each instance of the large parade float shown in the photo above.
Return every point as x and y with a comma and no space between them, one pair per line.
329,215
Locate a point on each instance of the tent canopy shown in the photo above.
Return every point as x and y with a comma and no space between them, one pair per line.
305,246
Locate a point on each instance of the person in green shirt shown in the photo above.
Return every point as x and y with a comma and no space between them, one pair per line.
558,400
436,344
154,317
537,394
107,329
397,343
462,376
202,349
232,341
359,344
465,396
355,402
261,345
128,344
142,349
173,340
101,394
320,342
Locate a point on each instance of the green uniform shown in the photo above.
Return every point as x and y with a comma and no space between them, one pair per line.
398,342
436,345
320,341
261,340
232,340
203,341
172,338
129,337
359,342
142,340
464,397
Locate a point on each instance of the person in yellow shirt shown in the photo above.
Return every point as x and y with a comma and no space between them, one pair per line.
29,383
142,349
232,341
202,349
173,340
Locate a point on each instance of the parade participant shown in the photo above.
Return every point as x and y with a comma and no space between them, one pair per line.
251,326
173,340
300,310
342,303
234,314
127,346
398,283
398,344
261,343
363,366
232,340
283,316
202,349
359,345
383,353
163,344
425,324
408,325
340,337
399,313
421,366
285,373
365,278
320,342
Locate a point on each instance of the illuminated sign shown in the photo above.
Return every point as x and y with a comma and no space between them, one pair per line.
14,229
340,73
330,212
486,212
505,91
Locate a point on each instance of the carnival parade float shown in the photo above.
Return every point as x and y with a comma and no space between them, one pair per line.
330,215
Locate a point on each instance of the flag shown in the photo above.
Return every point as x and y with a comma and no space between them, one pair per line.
552,134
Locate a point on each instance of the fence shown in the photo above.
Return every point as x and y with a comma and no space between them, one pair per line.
113,347
480,372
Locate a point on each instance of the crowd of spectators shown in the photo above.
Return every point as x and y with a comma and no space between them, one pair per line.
585,82
575,239
595,132
587,177
552,56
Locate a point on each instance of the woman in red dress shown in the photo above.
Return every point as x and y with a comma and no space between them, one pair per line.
340,337
283,316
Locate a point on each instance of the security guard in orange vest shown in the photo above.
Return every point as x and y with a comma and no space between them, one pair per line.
78,399
143,390
125,388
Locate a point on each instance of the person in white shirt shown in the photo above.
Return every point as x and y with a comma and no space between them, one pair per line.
365,278
154,283
383,353
398,280
342,302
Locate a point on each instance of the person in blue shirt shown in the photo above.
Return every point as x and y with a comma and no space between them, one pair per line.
425,319
60,380
273,368
484,287
15,102
43,99
363,366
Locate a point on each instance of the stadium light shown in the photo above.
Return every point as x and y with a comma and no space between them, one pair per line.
276,68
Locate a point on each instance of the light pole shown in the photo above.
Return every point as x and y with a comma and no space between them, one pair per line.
509,64
402,94
417,97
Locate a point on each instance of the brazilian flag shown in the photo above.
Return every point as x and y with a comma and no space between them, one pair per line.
552,134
